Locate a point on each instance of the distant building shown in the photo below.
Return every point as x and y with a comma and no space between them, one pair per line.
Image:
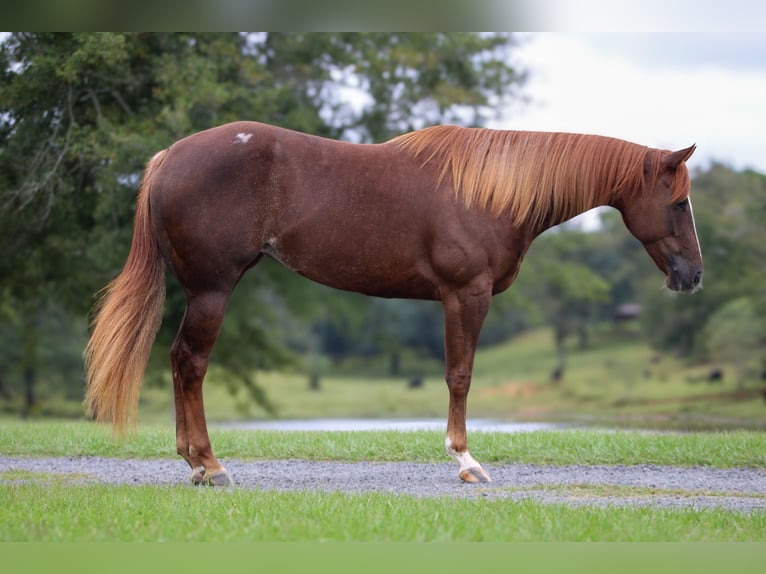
626,312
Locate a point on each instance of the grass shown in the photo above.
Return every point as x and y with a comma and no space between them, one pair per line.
577,446
618,381
16,476
596,491
184,514
44,507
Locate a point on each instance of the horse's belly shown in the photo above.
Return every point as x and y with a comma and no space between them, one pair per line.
351,267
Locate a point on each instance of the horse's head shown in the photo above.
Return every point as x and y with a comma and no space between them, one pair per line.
660,216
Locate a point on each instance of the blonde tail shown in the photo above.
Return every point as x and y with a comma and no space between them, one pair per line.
128,317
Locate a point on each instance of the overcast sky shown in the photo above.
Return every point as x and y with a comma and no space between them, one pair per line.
665,90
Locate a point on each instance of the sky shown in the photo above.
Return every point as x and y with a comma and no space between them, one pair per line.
665,90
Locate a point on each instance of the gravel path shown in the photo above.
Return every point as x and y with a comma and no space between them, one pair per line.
739,489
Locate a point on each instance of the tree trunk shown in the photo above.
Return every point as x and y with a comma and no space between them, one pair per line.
394,364
30,394
29,360
560,334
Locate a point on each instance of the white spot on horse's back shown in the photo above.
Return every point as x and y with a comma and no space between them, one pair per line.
242,138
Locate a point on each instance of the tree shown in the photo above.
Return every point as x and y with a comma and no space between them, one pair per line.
562,281
736,335
80,113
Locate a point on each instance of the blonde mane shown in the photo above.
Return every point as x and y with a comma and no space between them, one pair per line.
535,177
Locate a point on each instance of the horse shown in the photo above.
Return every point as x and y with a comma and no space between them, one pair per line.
444,213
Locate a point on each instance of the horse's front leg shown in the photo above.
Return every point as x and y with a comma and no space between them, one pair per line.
464,313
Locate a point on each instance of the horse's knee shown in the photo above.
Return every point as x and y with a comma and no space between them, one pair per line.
459,383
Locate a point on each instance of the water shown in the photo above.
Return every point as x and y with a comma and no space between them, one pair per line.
486,425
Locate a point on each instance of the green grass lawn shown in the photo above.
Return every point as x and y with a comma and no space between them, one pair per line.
47,507
578,446
67,513
616,383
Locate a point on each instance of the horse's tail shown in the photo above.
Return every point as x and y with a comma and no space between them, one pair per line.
128,316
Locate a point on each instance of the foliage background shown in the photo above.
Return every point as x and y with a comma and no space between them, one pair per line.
80,113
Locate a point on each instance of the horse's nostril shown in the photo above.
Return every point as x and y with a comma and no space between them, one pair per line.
697,278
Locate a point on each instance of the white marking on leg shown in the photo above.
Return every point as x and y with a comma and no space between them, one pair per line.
242,138
464,459
198,473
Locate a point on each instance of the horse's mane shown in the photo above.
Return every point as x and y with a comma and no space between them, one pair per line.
536,177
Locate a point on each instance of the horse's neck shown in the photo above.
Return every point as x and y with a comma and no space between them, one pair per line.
604,192
554,219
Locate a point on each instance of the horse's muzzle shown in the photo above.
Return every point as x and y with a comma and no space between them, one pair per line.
683,277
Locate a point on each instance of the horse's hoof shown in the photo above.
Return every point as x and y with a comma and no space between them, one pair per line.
217,478
470,470
474,474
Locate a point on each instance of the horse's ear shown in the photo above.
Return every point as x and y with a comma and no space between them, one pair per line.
674,159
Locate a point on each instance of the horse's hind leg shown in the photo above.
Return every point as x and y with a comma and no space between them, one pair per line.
189,357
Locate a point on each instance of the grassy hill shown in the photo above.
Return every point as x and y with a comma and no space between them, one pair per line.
618,380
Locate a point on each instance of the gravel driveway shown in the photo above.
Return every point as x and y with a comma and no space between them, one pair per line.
739,489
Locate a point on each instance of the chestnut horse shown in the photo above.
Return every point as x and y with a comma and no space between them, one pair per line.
445,213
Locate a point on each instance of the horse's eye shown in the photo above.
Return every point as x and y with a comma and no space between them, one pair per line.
681,205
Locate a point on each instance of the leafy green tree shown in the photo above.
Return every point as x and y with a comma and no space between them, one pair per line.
736,335
565,285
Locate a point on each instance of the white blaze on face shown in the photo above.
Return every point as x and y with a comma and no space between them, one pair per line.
694,226
242,138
